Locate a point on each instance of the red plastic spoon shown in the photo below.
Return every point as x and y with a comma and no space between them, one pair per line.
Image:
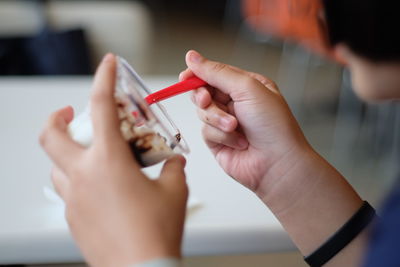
176,89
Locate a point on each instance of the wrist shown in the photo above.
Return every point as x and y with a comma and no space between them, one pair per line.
309,197
291,174
139,252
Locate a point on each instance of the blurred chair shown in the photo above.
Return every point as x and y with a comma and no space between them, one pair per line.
295,20
366,133
121,27
297,24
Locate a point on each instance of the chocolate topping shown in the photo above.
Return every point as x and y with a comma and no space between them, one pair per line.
140,139
178,137
137,154
143,143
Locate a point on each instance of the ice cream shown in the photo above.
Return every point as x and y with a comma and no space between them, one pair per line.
149,138
147,146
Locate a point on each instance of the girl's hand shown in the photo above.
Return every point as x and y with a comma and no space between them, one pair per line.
247,124
249,128
115,213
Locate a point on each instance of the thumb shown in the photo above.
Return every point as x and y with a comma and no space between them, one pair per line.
227,79
172,174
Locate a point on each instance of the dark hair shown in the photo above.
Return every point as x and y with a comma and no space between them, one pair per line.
370,28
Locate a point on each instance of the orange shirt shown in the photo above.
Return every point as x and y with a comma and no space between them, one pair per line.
297,20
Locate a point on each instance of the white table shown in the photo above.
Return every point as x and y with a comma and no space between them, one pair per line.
231,219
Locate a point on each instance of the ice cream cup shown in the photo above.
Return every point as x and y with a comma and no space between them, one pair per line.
149,131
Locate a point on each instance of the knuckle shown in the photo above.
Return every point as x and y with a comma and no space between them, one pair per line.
99,96
205,131
76,175
54,179
249,82
270,84
211,134
106,151
70,217
265,81
46,133
202,115
258,76
43,138
218,66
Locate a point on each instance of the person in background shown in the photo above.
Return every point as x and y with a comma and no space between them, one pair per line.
119,217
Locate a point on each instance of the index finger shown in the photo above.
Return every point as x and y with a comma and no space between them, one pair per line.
203,99
231,81
103,107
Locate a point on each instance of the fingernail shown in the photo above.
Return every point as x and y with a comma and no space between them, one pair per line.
195,57
108,57
242,142
225,122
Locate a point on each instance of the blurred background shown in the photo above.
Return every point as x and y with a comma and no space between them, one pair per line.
57,37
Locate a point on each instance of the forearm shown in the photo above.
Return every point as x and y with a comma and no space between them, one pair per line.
312,201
